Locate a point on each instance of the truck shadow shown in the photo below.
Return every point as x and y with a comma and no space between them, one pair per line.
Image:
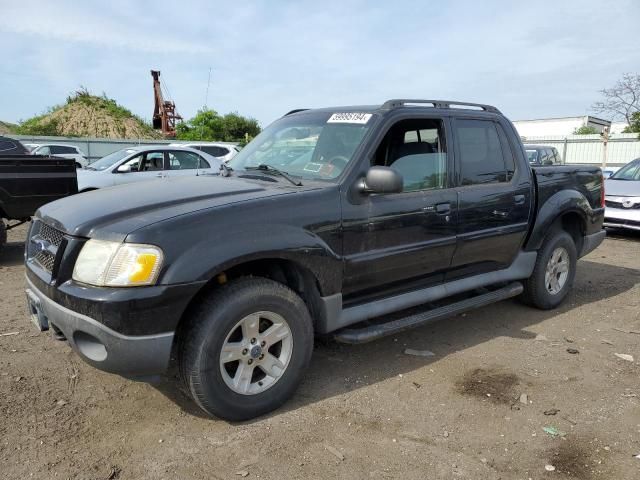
12,254
337,369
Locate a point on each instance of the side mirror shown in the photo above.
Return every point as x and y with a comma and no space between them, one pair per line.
381,180
124,169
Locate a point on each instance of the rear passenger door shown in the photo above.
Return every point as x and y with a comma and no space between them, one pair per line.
183,164
494,198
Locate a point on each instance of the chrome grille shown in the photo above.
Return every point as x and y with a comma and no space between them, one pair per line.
612,204
43,245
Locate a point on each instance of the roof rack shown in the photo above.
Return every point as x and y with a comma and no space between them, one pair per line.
400,102
296,110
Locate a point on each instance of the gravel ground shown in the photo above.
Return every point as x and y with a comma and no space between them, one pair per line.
477,409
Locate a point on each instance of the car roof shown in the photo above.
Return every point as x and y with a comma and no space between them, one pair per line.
531,147
53,145
203,144
166,147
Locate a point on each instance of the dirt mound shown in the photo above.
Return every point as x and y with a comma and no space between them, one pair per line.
86,115
6,127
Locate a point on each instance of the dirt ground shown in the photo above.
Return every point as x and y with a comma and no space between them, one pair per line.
367,411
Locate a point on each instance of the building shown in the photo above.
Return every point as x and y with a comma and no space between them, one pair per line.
560,127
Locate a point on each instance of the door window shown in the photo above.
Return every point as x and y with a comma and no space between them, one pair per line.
43,151
186,161
59,149
416,150
214,150
146,162
481,157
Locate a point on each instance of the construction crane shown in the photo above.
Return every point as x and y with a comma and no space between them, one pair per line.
164,111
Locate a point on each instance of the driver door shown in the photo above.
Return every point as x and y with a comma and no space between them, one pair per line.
393,239
145,166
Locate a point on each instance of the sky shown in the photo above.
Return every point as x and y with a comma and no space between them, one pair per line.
534,59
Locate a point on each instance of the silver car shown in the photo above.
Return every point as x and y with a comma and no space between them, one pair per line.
149,162
622,190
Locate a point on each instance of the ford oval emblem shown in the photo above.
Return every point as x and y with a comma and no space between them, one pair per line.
627,204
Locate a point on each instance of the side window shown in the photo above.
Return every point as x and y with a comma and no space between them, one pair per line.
146,162
481,157
60,149
507,153
185,161
416,149
43,151
548,157
214,150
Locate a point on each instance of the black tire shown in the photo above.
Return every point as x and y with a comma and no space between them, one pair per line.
3,234
536,292
202,339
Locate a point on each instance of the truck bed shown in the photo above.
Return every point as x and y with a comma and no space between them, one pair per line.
27,182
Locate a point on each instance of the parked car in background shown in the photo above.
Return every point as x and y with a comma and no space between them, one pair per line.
608,171
58,150
223,151
146,162
623,197
10,146
543,155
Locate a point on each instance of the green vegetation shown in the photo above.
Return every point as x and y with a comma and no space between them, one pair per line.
634,124
208,125
585,130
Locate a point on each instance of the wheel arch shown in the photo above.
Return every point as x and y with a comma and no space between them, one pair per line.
568,210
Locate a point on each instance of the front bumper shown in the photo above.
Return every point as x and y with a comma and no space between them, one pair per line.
100,346
622,218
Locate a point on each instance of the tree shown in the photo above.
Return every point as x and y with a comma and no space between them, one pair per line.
622,100
208,125
585,130
634,124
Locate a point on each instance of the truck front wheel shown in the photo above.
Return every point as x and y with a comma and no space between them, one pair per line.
245,348
554,272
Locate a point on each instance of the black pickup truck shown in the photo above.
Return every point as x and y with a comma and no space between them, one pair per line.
27,182
338,221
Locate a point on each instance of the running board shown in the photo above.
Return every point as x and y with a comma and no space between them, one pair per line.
374,332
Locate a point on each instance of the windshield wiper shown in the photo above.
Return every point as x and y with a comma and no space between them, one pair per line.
274,171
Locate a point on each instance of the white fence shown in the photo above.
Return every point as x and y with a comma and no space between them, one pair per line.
95,148
620,149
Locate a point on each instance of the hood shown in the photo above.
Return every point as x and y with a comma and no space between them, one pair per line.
621,188
112,213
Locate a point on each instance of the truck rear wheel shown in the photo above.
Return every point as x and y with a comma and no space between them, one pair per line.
245,349
554,272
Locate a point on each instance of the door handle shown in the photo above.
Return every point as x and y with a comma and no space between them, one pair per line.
500,213
159,175
443,208
519,199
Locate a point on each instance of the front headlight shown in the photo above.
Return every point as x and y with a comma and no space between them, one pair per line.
112,264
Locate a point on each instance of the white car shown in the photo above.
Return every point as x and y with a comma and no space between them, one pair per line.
223,151
148,162
58,150
622,197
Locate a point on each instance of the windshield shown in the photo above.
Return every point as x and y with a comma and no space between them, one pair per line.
532,155
314,145
109,160
628,172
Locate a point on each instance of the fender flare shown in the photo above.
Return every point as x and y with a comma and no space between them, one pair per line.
555,207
